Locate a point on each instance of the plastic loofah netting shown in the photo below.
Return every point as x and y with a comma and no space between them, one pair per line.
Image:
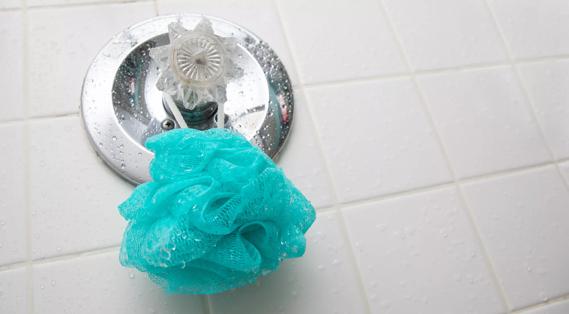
217,214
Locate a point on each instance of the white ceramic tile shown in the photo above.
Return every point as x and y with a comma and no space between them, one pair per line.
534,28
258,16
376,138
62,44
74,196
302,159
555,308
484,120
13,291
34,3
419,254
9,4
12,188
99,284
446,33
321,282
12,106
547,84
341,39
523,221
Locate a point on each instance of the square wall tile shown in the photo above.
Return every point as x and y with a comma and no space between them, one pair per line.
63,42
12,187
11,61
446,33
523,220
554,308
339,40
258,16
74,196
419,254
99,284
547,84
377,138
13,291
302,160
321,282
534,28
484,120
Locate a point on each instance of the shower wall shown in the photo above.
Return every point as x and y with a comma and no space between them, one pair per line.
432,136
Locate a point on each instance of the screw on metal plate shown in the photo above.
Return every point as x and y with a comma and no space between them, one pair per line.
168,124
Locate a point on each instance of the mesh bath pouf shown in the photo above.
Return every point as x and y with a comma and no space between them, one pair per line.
217,214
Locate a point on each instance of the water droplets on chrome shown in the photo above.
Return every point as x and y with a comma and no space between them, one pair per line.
122,107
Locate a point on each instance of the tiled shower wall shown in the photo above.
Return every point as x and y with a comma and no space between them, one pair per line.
431,135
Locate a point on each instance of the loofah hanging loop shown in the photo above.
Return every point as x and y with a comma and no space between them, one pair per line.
217,214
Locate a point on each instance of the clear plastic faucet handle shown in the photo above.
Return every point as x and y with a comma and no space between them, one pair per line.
198,58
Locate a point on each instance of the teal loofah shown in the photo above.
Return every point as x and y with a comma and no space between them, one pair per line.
218,214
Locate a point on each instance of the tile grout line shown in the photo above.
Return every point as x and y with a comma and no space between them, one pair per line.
308,86
530,101
351,250
443,70
308,110
342,224
323,210
466,208
532,307
27,159
40,118
12,266
533,112
10,9
525,92
429,188
75,255
462,200
530,104
488,260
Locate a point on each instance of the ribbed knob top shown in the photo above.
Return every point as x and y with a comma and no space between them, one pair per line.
198,59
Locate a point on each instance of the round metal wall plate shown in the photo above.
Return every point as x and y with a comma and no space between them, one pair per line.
121,106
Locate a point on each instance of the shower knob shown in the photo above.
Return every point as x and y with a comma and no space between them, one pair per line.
177,71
